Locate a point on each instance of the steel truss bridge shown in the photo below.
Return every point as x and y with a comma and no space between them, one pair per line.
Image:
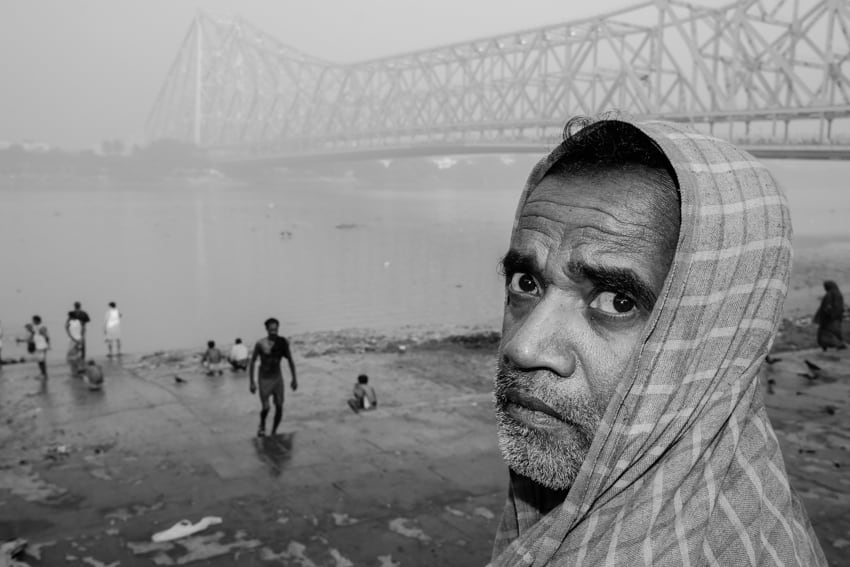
771,74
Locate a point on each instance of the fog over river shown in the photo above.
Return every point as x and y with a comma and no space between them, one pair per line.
191,260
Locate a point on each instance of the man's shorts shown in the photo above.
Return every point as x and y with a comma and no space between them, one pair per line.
271,387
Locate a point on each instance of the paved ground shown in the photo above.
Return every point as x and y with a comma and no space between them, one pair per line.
88,477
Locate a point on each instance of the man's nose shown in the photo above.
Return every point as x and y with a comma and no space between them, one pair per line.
545,339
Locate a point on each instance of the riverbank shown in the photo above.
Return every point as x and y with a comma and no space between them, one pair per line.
87,477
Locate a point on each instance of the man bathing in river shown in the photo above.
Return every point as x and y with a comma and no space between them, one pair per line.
270,351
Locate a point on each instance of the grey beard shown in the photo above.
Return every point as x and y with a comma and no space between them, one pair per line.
551,460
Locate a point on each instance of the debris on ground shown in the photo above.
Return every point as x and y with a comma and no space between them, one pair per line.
185,528
10,551
57,452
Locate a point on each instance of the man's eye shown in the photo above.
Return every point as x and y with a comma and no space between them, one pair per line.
522,283
616,304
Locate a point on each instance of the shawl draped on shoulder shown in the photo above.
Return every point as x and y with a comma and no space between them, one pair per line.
685,468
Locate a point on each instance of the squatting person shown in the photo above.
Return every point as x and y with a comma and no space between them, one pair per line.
645,279
238,357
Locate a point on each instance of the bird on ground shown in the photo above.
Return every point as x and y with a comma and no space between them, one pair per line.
179,380
772,360
811,377
814,371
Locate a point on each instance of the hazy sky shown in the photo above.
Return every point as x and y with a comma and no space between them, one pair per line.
75,72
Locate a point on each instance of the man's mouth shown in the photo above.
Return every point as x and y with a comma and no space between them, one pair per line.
528,402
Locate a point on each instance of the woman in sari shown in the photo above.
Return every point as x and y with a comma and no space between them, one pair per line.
828,318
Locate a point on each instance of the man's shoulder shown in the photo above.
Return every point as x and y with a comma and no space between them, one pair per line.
282,344
80,315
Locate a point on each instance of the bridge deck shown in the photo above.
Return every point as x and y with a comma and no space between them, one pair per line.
366,154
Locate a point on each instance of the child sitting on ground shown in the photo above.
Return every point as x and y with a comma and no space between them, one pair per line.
364,395
93,375
213,359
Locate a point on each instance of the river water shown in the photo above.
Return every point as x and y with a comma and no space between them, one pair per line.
193,260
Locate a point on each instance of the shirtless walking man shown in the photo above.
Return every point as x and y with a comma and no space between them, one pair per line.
270,350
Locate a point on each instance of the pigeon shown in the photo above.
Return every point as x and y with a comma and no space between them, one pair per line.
813,373
179,380
810,377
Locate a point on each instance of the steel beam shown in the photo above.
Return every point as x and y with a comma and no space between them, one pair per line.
233,86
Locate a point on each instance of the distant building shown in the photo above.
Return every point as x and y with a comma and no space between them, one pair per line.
35,147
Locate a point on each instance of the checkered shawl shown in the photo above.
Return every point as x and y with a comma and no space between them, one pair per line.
685,468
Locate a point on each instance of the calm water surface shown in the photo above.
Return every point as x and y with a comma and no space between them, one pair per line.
190,262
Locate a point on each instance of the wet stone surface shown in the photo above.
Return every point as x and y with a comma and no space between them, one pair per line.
87,478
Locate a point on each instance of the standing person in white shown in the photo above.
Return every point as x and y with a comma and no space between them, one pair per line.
112,329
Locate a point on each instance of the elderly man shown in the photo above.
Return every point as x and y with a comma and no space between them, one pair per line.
645,279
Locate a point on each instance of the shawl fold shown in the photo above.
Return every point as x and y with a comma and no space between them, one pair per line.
685,468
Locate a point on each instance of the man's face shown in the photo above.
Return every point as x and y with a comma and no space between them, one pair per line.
271,329
586,263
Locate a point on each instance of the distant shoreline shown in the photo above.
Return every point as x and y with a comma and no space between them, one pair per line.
793,335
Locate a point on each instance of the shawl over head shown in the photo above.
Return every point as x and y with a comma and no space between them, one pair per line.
833,302
685,468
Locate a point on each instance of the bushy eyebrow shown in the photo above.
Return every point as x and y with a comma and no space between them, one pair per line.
603,278
515,261
616,280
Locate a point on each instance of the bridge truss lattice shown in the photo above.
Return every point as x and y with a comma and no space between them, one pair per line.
764,63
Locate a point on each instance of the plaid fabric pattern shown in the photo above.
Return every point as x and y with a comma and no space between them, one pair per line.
685,468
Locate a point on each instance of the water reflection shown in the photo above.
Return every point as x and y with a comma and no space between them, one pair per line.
274,451
188,263
82,395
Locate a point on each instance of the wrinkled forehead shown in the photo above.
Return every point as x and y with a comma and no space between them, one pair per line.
612,221
622,204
